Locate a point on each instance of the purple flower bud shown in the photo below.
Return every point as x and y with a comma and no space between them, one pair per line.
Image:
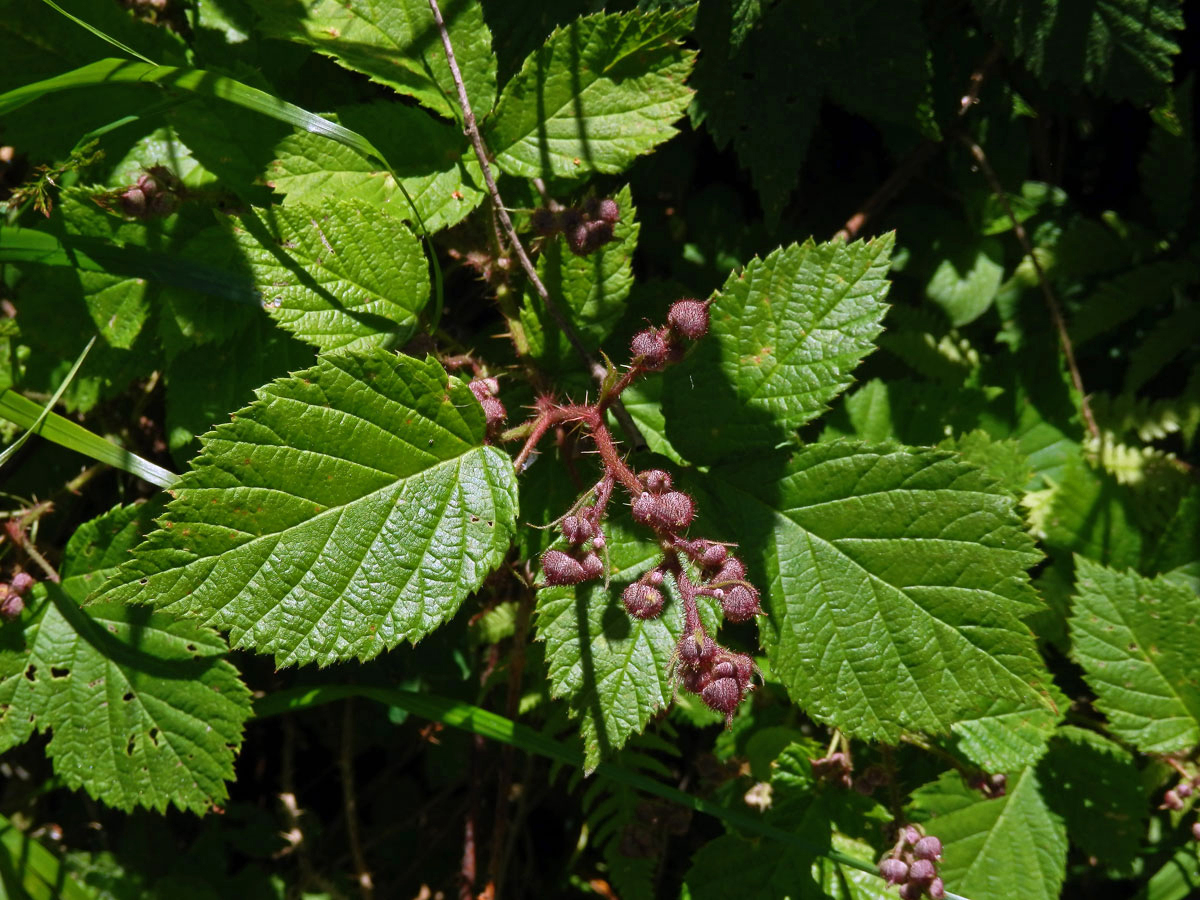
1171,800
911,834
577,530
937,889
133,202
655,577
696,649
894,871
649,350
740,603
656,480
11,603
22,582
689,318
493,411
642,601
921,872
675,510
722,695
544,221
713,555
597,235
593,567
1183,789
645,509
598,542
603,210
577,239
1196,830
928,848
561,568
911,891
731,570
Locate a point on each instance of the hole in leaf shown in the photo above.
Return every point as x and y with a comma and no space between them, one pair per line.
154,736
56,672
128,696
31,673
129,746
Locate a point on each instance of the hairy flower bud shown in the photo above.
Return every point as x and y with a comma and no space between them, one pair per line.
1183,789
577,530
921,872
1172,800
894,871
928,848
593,566
598,234
561,568
11,603
656,480
603,210
911,834
740,603
722,695
544,221
689,318
911,891
937,889
696,649
642,601
577,239
133,202
675,510
713,555
649,350
22,582
645,509
493,411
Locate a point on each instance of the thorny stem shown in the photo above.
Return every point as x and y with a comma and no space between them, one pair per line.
1060,324
597,370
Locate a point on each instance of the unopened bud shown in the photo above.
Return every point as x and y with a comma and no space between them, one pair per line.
928,848
722,695
921,872
22,582
656,480
740,603
675,510
689,318
642,601
1183,789
1172,800
937,889
649,350
11,603
593,567
577,530
561,568
894,871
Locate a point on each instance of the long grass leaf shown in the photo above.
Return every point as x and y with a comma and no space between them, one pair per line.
16,445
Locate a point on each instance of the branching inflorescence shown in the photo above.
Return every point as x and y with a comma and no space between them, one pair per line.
698,566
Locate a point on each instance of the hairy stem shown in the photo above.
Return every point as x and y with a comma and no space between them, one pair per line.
597,370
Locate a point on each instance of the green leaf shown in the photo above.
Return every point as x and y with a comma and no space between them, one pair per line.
1121,48
992,848
430,157
1138,644
614,670
1174,334
144,709
352,506
395,44
965,282
1168,164
1089,514
1095,786
593,289
1009,734
337,274
41,872
602,91
786,333
896,584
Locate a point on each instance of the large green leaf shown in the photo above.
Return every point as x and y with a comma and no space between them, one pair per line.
144,708
337,274
786,333
1138,644
430,157
996,849
396,44
896,584
614,670
1094,784
1122,48
352,506
601,91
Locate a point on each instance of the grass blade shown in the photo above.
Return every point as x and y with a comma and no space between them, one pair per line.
16,445
97,32
66,433
26,864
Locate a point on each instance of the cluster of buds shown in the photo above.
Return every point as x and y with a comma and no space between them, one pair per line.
11,594
912,865
486,391
991,786
157,193
1176,798
698,567
585,228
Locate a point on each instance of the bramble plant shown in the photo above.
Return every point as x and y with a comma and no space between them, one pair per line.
781,416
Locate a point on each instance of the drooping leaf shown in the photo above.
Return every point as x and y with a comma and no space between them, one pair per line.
336,274
144,709
895,580
1094,785
786,333
1138,644
614,670
1121,48
395,44
430,156
991,847
965,282
603,90
761,89
351,507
